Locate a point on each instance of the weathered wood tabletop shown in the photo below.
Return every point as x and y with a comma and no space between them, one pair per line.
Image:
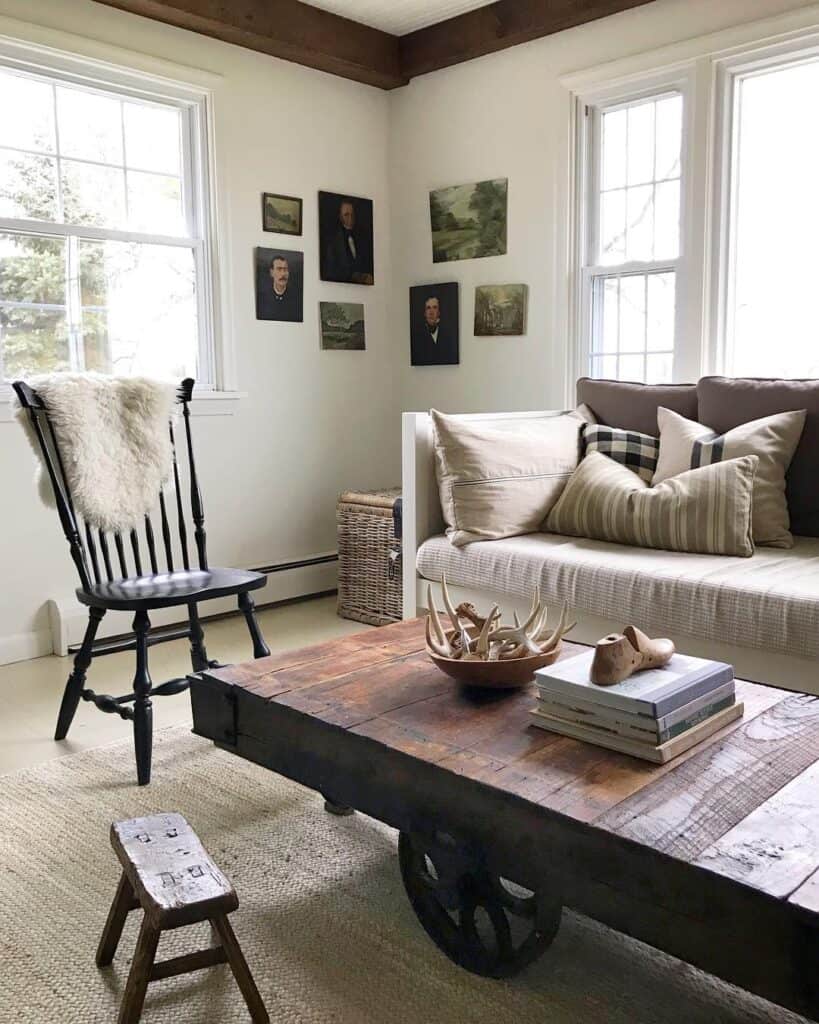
713,857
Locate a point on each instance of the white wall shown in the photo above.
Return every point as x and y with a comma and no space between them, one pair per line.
314,422
507,115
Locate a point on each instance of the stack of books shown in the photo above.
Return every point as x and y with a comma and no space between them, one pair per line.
656,714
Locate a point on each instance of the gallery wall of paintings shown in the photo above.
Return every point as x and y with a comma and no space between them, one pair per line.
346,256
467,222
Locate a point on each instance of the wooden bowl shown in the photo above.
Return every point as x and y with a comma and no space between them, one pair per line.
495,675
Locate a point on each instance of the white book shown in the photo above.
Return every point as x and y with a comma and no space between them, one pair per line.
654,692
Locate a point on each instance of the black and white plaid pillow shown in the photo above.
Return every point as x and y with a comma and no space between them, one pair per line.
628,447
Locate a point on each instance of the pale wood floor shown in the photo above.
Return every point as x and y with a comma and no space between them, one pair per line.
31,690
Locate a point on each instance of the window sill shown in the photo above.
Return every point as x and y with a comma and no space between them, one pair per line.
204,403
216,403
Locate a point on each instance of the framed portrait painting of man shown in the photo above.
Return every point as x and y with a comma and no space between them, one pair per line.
434,326
345,238
279,285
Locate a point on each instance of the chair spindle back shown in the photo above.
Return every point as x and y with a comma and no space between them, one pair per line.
98,567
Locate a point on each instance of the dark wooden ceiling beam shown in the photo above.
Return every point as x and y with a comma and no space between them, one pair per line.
496,27
297,32
288,29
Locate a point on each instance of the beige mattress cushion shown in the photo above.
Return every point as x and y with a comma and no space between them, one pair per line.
769,602
685,444
500,478
706,510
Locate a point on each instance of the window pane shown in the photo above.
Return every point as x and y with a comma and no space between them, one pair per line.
661,311
667,220
152,138
604,366
28,113
28,185
631,368
772,319
614,149
613,226
659,367
155,204
33,340
633,315
139,308
668,138
610,327
93,194
640,222
640,161
90,125
32,269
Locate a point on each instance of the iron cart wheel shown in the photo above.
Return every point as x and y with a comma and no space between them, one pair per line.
484,923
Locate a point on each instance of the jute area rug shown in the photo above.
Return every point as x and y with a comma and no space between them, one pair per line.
323,917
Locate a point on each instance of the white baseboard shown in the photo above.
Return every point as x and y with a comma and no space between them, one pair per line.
68,618
23,646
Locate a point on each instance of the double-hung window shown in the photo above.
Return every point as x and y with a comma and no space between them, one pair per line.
104,257
767,318
631,244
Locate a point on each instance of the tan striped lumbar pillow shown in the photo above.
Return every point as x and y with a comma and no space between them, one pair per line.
707,510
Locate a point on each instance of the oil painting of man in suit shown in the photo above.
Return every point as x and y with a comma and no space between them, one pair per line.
279,285
345,238
434,325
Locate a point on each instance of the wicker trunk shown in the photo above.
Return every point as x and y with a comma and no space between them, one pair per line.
369,556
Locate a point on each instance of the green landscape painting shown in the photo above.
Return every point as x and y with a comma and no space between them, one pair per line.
468,221
342,325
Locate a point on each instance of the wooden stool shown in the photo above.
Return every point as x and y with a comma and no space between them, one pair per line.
167,872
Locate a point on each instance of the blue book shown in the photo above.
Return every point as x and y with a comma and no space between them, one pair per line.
654,692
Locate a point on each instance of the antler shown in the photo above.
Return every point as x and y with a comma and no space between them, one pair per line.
474,638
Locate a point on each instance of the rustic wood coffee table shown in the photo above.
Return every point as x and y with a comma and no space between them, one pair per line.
713,857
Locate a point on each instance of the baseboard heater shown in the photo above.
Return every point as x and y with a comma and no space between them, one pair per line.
164,634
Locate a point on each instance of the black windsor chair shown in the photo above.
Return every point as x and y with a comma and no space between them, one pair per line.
106,584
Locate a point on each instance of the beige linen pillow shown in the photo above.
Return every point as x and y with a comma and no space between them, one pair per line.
686,444
705,510
500,478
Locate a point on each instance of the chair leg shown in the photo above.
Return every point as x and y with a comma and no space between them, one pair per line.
137,984
248,607
124,902
199,655
241,972
143,710
76,681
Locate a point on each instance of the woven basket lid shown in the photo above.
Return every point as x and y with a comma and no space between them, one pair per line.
384,498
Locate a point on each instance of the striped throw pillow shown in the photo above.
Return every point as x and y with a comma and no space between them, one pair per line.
686,444
637,452
706,510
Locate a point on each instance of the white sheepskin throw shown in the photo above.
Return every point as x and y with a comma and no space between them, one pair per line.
114,441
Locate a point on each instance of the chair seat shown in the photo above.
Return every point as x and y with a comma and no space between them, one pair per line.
163,590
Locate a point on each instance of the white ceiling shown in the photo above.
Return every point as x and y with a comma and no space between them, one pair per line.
398,16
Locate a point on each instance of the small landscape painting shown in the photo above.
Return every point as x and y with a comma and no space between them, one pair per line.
342,326
500,309
468,221
281,214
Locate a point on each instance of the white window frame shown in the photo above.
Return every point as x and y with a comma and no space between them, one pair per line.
728,71
588,108
215,373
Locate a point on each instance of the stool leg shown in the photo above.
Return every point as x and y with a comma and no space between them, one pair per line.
137,985
123,903
241,972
